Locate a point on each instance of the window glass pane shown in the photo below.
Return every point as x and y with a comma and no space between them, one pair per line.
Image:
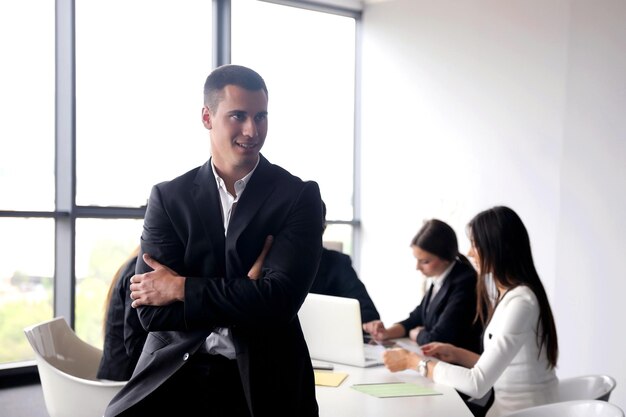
140,71
102,246
27,105
307,59
338,237
26,280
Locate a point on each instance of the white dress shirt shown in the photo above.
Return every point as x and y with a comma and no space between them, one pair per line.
220,342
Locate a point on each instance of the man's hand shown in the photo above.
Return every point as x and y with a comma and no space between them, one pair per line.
156,288
400,359
376,329
255,271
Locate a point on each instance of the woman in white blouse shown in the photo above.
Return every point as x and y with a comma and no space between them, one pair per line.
520,342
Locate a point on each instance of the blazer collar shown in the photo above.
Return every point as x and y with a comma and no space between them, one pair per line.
207,200
443,291
258,189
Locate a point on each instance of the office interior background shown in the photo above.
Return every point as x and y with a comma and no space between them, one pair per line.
402,110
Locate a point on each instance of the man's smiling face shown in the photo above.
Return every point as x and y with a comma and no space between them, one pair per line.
238,128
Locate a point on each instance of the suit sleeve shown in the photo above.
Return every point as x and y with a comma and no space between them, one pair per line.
414,319
160,240
288,273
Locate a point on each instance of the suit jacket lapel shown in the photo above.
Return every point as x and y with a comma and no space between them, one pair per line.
432,308
426,302
207,200
256,192
442,294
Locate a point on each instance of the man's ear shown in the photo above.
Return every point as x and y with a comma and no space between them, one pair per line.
206,117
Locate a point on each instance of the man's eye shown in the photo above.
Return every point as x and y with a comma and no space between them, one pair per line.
260,117
238,116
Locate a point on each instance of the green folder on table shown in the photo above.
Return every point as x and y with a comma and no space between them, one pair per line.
394,389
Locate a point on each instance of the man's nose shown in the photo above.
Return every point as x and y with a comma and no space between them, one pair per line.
250,128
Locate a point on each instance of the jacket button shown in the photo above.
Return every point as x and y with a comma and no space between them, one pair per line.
186,356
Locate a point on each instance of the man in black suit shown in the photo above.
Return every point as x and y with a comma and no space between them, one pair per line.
222,343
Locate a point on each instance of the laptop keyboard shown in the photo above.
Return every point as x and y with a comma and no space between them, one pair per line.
373,352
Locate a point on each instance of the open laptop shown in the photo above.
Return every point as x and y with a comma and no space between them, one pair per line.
333,332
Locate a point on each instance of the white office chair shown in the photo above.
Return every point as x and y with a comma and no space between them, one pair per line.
581,408
586,387
67,369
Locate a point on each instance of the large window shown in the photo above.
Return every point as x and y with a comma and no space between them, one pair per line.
26,279
102,246
87,134
140,70
138,122
307,59
27,105
26,171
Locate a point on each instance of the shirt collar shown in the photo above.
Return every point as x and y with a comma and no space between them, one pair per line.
240,184
438,280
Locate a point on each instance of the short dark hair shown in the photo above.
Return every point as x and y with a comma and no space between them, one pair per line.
438,238
225,75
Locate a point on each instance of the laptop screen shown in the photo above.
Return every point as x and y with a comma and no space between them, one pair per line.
332,329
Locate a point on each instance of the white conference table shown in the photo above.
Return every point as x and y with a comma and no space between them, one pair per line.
344,401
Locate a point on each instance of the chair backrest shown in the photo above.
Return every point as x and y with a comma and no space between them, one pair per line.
67,368
333,245
586,387
581,408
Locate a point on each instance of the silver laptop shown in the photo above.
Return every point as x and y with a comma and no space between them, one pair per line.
333,332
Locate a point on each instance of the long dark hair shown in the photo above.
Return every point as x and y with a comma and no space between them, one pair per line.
438,238
503,246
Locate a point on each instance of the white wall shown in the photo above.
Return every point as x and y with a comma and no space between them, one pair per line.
591,241
467,105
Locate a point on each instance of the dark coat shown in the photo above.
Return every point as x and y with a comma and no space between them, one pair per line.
336,276
123,337
451,313
183,229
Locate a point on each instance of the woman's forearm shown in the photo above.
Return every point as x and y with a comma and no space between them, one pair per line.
396,331
466,358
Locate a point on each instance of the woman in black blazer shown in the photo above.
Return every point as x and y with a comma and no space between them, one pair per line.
447,311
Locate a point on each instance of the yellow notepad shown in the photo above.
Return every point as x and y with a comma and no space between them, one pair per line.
329,378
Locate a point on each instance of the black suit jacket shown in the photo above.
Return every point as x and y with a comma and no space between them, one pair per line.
123,337
337,277
451,313
183,229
